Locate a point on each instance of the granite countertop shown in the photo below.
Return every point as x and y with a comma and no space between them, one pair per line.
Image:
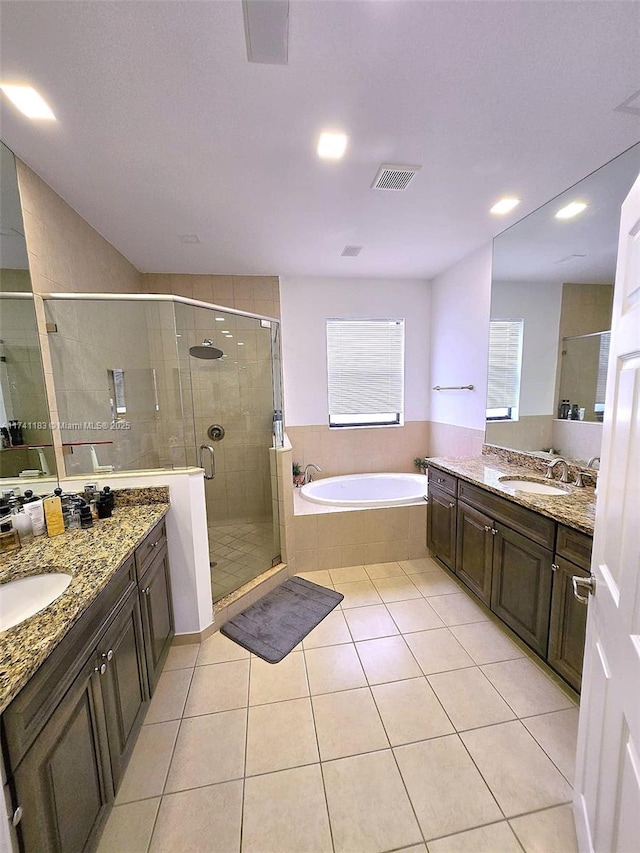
576,509
92,557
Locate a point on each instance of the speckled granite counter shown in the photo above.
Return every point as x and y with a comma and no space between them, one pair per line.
576,509
91,556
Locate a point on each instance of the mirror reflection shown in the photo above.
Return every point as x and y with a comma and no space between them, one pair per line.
26,446
551,298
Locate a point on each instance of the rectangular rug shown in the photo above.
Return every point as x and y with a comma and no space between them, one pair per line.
273,626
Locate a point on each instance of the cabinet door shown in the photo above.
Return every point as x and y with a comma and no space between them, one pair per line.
521,586
157,615
123,680
441,526
568,624
64,784
474,550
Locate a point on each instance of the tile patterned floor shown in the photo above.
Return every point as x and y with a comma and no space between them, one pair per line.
406,721
241,552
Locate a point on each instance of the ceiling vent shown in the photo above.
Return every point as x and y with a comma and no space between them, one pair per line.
350,251
394,177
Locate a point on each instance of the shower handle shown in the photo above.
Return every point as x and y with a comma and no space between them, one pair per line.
210,472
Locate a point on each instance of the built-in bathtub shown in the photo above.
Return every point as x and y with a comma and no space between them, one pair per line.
366,491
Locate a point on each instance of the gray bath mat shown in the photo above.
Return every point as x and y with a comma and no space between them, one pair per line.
273,626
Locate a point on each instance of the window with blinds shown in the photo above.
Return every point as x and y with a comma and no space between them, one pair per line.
505,365
365,367
603,364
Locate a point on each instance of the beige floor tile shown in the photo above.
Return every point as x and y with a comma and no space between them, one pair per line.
435,583
129,827
348,723
384,570
366,623
526,688
220,649
170,696
147,770
415,848
516,769
209,749
334,668
331,631
286,812
410,711
396,589
182,657
278,682
358,594
446,789
423,564
495,838
437,651
201,819
218,687
368,805
470,699
348,574
557,734
457,609
414,615
387,659
486,643
279,736
548,831
321,577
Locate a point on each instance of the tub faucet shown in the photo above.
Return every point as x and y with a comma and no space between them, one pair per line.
564,477
308,474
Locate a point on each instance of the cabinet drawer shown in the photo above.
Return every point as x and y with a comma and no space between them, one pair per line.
151,545
443,481
531,524
27,714
575,546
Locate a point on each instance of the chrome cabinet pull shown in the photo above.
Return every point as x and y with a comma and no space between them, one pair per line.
17,816
451,506
487,528
101,669
146,590
108,655
493,531
209,473
585,583
554,567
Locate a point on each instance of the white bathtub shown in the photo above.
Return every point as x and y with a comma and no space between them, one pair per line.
367,490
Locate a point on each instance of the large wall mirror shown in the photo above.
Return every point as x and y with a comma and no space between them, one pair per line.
551,297
27,459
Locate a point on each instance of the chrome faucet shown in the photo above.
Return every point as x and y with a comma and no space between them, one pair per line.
564,476
592,462
581,473
307,477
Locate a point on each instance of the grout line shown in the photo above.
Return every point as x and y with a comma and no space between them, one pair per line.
244,765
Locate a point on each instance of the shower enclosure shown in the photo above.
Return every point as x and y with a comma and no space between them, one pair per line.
155,382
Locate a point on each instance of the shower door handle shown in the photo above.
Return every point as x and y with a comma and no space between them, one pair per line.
210,472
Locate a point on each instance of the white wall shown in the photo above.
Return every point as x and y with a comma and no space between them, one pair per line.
460,303
538,304
306,304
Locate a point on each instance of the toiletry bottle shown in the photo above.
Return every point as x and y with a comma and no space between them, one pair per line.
278,432
574,412
86,519
5,438
53,515
35,510
21,522
9,539
107,495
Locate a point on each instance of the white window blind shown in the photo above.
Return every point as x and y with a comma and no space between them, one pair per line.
365,364
505,360
603,364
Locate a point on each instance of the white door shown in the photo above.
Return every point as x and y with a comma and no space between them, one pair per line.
607,782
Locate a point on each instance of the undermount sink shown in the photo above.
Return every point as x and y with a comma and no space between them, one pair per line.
24,597
534,487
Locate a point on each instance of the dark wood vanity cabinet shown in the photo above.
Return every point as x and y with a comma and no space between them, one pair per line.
441,517
474,550
69,733
568,615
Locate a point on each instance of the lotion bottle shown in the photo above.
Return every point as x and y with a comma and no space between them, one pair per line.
35,510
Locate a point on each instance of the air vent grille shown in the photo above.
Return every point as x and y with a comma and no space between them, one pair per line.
395,178
350,251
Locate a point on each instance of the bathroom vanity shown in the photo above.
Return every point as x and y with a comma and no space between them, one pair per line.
77,677
516,551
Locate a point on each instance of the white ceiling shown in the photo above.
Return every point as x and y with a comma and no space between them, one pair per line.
165,129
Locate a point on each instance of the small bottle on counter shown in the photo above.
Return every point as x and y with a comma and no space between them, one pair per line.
21,522
574,416
53,515
86,518
9,538
34,508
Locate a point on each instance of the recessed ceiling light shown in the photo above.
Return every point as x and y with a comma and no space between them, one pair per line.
28,101
240,343
571,210
505,205
331,146
220,319
188,238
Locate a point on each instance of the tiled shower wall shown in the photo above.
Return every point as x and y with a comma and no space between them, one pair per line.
255,294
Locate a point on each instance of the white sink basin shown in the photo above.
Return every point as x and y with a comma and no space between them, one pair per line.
534,487
21,598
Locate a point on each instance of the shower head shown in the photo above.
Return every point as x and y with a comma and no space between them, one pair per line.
205,350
